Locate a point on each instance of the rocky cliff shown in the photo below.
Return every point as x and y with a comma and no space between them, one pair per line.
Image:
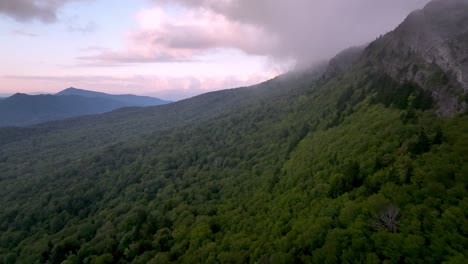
430,48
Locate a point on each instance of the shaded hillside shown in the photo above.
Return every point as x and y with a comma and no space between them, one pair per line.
356,167
126,99
22,109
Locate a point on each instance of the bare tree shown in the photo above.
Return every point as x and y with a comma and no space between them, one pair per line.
388,219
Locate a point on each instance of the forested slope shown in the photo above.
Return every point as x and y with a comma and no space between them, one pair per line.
350,167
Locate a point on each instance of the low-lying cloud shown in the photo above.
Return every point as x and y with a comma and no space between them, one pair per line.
305,31
308,30
302,30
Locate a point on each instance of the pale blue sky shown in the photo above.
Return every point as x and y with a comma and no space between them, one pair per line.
43,57
177,48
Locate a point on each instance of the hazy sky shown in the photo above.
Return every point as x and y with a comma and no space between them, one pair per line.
177,48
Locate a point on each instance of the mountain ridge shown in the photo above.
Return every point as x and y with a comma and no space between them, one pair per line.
352,166
429,44
129,99
22,109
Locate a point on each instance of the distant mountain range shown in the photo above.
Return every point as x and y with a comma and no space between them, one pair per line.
22,109
126,99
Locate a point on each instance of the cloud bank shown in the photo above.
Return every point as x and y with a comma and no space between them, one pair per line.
306,31
302,30
212,32
184,37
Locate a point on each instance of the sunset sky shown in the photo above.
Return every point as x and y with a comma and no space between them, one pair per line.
175,49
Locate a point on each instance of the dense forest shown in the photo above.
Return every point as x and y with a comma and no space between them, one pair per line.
351,166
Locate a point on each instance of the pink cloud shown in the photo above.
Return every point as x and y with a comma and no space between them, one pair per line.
172,88
308,31
184,37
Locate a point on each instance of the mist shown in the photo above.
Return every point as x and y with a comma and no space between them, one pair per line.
311,31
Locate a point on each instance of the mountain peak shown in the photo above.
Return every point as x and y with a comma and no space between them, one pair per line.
72,89
440,19
77,91
452,5
429,49
23,109
19,95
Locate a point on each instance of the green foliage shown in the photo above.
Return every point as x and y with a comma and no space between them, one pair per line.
401,96
265,175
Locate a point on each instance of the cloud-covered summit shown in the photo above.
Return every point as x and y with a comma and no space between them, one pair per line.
306,30
182,43
302,30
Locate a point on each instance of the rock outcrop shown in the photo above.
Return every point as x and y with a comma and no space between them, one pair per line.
430,48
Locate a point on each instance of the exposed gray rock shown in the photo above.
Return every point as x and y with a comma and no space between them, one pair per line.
429,48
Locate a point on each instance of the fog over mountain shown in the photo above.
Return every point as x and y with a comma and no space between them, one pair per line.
185,46
310,31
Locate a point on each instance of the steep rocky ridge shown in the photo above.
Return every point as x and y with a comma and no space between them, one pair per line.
429,49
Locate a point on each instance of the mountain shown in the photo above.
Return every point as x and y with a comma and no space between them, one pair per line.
429,49
343,62
351,163
22,109
125,99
